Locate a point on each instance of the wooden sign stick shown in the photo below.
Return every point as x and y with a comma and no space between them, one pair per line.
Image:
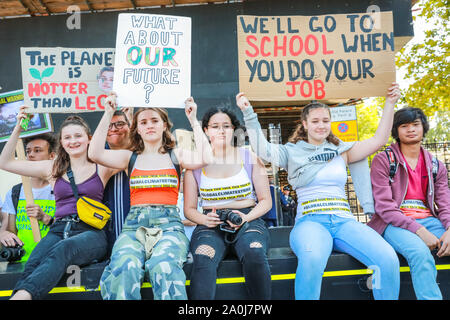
26,184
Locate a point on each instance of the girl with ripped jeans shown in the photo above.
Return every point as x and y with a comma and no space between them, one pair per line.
211,245
237,181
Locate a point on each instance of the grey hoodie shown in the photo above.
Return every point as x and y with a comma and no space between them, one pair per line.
303,160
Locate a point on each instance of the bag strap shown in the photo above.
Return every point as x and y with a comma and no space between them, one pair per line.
15,195
172,157
435,168
72,183
392,163
248,166
132,162
198,175
175,162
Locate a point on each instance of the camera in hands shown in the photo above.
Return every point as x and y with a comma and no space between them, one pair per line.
227,214
11,254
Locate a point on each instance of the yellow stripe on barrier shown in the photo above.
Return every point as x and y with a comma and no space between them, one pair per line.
275,277
5,293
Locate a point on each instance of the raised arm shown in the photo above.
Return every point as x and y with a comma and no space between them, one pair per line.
362,149
39,169
115,159
275,153
203,154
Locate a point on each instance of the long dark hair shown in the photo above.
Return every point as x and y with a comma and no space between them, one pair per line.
62,161
300,132
136,142
239,131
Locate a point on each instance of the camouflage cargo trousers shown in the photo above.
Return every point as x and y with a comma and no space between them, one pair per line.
123,277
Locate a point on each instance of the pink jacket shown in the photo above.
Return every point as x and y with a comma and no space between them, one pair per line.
388,198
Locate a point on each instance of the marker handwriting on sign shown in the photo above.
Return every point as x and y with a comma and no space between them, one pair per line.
306,53
61,80
152,53
70,58
38,92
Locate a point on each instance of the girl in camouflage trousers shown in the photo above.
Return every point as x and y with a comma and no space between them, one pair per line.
152,239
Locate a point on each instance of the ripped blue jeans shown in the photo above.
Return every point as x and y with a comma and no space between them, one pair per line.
209,248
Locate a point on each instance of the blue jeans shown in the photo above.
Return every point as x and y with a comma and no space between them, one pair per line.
49,260
418,256
315,236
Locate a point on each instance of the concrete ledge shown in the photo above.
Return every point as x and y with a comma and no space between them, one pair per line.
344,277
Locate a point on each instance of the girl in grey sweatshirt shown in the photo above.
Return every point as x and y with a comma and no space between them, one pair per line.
316,164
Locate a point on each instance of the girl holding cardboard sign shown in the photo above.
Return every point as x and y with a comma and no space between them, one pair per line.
152,238
70,241
316,162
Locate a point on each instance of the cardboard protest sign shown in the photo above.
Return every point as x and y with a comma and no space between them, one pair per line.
153,60
344,123
294,58
10,103
62,80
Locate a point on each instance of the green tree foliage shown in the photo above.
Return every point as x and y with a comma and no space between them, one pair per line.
368,116
427,66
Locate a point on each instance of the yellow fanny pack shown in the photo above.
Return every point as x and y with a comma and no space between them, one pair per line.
91,212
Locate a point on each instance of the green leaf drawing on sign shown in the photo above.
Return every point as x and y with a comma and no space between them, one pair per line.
35,74
47,72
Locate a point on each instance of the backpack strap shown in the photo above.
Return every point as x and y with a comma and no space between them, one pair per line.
175,162
248,165
198,176
392,163
15,194
132,162
172,155
435,168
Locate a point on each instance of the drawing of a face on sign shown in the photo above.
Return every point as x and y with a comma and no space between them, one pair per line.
105,79
8,113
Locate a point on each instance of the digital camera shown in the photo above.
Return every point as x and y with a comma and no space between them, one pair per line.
227,214
11,254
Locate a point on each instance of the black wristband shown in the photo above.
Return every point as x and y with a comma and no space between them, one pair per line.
52,219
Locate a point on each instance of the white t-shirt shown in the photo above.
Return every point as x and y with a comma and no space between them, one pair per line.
44,193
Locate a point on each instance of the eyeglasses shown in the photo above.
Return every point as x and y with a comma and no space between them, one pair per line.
118,125
225,126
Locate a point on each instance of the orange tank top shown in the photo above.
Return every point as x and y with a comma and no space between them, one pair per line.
154,187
